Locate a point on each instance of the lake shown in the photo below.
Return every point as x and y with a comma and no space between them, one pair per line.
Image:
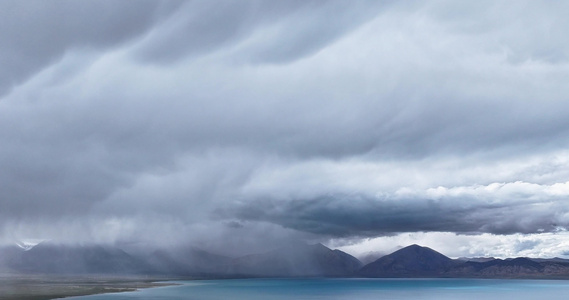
344,289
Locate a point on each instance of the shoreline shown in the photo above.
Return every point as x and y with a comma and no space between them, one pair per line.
116,289
43,287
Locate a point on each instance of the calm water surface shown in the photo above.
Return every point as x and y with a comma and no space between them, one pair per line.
344,289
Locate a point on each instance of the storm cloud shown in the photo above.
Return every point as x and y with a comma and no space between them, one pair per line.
233,122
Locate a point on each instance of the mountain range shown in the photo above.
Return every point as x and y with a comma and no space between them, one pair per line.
417,261
296,260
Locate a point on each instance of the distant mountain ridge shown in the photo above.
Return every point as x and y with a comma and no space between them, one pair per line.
298,260
417,261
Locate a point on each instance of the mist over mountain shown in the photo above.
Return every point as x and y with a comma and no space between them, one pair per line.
292,261
187,261
371,256
54,258
295,260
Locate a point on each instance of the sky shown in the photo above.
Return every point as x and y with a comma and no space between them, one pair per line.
240,126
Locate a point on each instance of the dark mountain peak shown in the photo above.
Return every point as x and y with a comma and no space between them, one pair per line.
411,261
418,252
522,259
416,247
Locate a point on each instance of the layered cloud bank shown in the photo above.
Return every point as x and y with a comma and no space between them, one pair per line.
247,124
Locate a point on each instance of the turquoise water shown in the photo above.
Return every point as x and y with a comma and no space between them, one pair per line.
344,289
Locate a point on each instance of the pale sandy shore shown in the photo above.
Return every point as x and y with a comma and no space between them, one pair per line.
38,287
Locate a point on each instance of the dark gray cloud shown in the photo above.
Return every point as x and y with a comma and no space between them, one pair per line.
362,216
36,34
296,119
